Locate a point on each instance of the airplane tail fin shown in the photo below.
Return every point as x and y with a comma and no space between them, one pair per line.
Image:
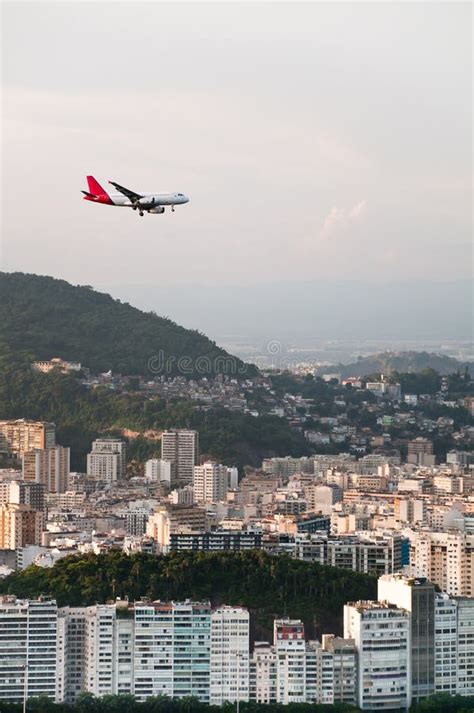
95,188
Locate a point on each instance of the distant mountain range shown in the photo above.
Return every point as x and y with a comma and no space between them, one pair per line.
387,362
48,317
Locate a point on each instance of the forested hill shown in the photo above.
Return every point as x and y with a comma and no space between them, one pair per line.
48,317
405,362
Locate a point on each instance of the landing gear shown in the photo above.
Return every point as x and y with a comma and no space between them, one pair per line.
141,213
172,208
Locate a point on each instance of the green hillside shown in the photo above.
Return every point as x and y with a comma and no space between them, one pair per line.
48,317
405,362
269,586
82,414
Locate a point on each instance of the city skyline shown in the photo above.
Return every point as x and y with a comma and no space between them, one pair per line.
236,439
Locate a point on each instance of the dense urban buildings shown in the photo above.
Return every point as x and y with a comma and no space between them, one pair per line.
391,653
384,505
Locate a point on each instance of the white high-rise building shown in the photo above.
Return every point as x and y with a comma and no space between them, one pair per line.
382,637
210,482
158,470
172,649
107,460
290,647
446,559
95,647
99,649
28,648
229,655
109,649
465,625
446,644
181,649
181,448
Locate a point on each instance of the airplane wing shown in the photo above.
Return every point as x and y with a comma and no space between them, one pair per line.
126,192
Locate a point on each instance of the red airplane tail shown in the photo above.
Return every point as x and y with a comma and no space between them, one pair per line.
96,192
94,187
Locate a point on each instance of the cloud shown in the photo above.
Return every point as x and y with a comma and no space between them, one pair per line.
340,219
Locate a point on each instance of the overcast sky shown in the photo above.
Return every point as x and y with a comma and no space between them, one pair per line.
314,140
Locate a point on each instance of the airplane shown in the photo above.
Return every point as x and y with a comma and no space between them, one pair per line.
143,202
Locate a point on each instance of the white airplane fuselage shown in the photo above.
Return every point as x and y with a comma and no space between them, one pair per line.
143,202
150,200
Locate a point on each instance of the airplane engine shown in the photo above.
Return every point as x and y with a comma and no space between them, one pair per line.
158,209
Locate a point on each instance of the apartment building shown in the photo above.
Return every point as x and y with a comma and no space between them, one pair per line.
465,629
263,673
48,466
172,649
215,541
71,647
344,668
371,554
287,465
20,436
136,520
20,525
382,637
446,644
290,648
181,448
22,493
420,452
158,470
173,519
446,559
319,674
108,649
229,679
210,482
417,596
28,648
108,460
411,510
181,649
